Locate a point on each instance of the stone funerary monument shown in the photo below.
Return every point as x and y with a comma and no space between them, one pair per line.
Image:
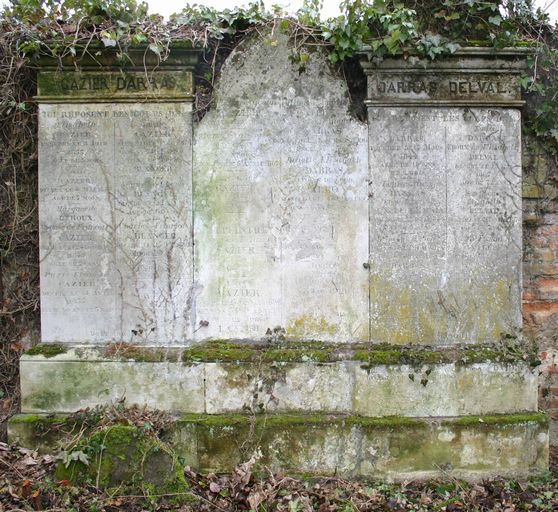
349,284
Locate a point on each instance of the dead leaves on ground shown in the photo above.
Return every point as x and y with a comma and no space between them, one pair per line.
27,483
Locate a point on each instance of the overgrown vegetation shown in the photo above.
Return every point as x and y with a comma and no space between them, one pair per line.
32,481
28,483
93,438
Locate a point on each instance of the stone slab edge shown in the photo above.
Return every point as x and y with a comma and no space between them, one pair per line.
423,389
471,447
102,75
473,77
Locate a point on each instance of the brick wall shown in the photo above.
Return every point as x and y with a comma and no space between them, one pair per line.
540,272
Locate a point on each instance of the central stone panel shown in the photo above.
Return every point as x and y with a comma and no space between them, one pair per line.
280,202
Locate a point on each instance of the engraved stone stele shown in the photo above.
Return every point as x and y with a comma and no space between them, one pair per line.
286,217
445,198
280,202
115,176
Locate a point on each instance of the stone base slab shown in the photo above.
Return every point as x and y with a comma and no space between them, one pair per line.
395,448
277,383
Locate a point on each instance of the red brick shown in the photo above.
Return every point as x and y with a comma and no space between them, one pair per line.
538,313
547,288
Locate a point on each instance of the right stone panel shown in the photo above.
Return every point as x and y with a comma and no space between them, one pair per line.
445,214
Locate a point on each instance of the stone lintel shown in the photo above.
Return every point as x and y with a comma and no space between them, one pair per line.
102,78
469,77
471,447
139,57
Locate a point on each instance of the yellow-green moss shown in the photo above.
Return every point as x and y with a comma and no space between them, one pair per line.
372,355
124,351
290,355
126,457
210,420
286,421
46,350
37,419
225,352
399,356
308,324
500,419
404,315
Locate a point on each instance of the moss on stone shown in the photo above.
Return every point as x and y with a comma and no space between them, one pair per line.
286,421
227,351
37,419
45,400
126,457
290,355
499,419
310,324
390,355
371,355
293,420
388,422
224,352
398,356
46,350
125,351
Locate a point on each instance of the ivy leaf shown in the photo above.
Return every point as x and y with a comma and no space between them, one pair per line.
139,38
453,47
344,43
108,42
435,39
526,82
155,49
495,20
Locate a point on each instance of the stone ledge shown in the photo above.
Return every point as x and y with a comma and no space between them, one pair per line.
287,351
78,378
395,448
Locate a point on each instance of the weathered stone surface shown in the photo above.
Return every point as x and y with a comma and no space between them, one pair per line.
86,377
472,447
67,386
281,202
445,390
279,387
115,222
471,76
94,86
127,458
445,224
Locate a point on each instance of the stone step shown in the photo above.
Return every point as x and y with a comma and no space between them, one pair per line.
232,378
395,448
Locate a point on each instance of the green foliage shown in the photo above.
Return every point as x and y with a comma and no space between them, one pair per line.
542,86
40,12
428,28
229,22
386,30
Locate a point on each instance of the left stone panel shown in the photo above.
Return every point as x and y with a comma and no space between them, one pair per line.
115,210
